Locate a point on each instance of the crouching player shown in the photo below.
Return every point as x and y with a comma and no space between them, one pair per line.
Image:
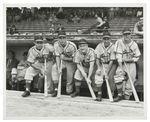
104,59
126,51
36,56
85,60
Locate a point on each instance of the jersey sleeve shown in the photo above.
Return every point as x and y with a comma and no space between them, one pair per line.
73,50
98,52
56,49
31,57
92,56
112,53
48,49
118,50
77,58
136,52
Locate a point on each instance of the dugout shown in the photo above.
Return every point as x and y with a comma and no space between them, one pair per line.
21,45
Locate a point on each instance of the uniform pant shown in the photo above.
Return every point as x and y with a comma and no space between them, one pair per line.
70,67
99,76
132,71
31,72
79,78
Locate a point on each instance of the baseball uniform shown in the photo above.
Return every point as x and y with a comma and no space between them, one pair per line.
85,61
67,51
36,57
127,51
105,55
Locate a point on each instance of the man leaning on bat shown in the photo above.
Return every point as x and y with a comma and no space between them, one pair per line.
36,56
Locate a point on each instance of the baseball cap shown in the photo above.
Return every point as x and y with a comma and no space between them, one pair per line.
61,34
126,31
106,35
38,39
82,41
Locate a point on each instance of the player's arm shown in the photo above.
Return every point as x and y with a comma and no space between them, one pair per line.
91,69
98,63
100,22
109,66
65,58
80,68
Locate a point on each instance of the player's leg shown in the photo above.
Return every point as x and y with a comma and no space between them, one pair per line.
30,73
132,72
49,77
119,77
99,82
55,78
77,79
111,78
70,72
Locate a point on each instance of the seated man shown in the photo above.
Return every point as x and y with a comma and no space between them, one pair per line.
85,60
138,28
36,58
11,63
19,73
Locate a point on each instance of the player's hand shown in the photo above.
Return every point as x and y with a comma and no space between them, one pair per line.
88,80
43,72
45,56
106,76
128,60
62,57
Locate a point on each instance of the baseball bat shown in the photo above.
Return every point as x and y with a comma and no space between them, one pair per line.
45,83
90,87
132,85
59,84
108,87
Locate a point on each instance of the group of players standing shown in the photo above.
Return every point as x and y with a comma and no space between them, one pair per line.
85,63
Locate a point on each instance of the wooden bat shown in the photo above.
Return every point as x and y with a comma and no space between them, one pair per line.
108,87
90,88
132,85
45,83
59,84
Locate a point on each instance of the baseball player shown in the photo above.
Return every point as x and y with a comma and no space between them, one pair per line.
126,51
64,50
85,60
36,56
105,56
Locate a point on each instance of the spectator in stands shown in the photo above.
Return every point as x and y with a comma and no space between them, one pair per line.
98,20
13,30
76,19
103,26
52,29
60,28
139,13
11,62
29,14
138,28
69,18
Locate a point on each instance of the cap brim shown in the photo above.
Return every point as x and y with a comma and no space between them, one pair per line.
107,36
62,36
82,43
127,32
39,40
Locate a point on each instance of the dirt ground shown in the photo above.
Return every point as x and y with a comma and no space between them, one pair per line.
37,106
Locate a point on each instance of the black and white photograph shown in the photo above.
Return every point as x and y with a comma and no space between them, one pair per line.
74,62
